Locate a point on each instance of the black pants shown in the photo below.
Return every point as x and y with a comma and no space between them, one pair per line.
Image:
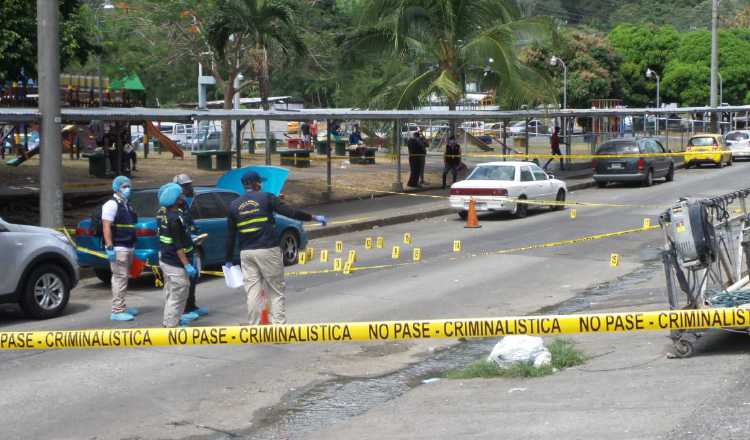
190,304
551,159
453,169
413,172
421,162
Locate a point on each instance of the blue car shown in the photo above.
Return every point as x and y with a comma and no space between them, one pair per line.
209,211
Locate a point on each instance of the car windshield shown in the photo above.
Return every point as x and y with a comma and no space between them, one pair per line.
702,142
618,148
145,203
738,136
502,172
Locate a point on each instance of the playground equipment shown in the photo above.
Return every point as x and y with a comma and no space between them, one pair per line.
168,143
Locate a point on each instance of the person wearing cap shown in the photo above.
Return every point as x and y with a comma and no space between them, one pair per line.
251,217
186,183
118,231
175,255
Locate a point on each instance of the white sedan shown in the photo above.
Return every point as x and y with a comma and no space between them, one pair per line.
495,185
738,142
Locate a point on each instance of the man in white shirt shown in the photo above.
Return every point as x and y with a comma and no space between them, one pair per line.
118,229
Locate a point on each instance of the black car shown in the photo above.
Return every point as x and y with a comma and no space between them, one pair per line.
632,168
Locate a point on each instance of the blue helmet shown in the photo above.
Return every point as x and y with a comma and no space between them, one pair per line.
169,194
118,182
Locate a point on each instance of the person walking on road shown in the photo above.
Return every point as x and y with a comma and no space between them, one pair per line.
118,232
554,143
186,183
451,159
251,216
175,255
417,151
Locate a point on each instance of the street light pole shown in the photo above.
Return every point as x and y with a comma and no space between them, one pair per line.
721,89
554,61
97,15
50,148
714,61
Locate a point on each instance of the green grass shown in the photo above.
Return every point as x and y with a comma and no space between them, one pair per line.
564,355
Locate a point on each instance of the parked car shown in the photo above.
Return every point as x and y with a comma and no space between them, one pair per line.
707,148
633,168
38,269
536,127
492,185
738,142
209,211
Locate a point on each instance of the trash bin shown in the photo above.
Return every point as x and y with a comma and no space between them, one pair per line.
321,147
340,148
97,164
250,144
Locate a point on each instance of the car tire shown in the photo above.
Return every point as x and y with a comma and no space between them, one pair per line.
522,209
649,180
46,292
463,214
559,198
670,174
731,160
601,183
104,275
289,247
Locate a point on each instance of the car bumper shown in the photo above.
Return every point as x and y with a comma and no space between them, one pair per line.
483,204
631,177
744,153
703,157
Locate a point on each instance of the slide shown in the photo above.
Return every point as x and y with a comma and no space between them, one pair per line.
168,143
473,140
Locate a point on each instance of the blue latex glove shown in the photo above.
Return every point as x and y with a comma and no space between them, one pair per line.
190,269
111,255
321,219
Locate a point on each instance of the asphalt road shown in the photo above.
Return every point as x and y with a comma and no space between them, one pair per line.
248,392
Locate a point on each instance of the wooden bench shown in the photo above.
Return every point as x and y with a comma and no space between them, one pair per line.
204,160
297,158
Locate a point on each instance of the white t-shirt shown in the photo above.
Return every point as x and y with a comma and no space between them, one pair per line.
109,212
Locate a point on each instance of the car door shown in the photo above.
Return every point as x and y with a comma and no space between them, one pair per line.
226,198
528,185
542,183
665,162
210,216
8,246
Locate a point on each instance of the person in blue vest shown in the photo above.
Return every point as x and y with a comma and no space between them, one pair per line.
251,216
192,310
175,254
118,231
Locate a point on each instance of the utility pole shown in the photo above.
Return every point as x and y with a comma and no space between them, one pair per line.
50,148
714,62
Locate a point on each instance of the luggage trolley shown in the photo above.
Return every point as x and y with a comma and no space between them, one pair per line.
707,256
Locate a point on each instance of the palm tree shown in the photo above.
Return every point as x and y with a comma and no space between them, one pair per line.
243,32
444,43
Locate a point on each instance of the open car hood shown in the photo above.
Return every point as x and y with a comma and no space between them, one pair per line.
273,179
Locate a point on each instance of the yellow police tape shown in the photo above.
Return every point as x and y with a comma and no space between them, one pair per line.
550,325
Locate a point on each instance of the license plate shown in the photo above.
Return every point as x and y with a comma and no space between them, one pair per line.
616,166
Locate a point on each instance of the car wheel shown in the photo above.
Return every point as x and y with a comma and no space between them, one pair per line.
104,275
670,175
601,183
522,209
560,199
289,247
649,178
46,292
463,214
731,160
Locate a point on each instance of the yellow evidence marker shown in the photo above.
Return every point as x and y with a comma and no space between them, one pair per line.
348,267
324,256
456,245
614,260
339,247
407,238
380,243
337,264
352,256
416,254
396,253
573,213
368,243
646,223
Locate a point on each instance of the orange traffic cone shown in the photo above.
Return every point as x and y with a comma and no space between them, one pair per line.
471,218
264,314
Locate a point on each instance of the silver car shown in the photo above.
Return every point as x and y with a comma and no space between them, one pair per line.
38,269
738,142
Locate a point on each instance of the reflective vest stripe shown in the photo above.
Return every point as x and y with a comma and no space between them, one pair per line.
252,220
119,225
187,250
248,230
165,240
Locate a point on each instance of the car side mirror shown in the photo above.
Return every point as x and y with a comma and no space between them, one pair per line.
551,176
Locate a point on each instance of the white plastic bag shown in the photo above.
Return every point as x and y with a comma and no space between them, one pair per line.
233,276
522,348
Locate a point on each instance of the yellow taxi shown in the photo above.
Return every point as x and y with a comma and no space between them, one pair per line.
707,148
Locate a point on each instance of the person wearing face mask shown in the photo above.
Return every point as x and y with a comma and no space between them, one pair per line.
175,255
192,311
118,231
